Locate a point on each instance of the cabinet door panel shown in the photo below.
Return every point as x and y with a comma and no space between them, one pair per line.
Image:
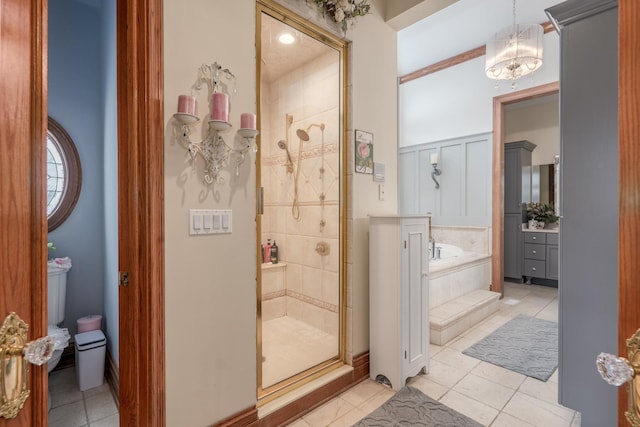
552,262
513,246
416,297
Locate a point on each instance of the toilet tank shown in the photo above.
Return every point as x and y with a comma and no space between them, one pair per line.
57,289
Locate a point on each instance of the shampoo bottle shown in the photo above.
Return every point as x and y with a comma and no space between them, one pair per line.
274,253
267,251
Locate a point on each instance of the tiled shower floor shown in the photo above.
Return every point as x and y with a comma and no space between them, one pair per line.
71,407
290,346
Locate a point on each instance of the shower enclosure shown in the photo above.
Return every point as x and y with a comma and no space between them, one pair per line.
300,169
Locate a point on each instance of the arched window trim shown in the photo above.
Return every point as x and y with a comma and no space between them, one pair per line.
71,163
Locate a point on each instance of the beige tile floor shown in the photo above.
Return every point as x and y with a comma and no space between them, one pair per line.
491,395
71,407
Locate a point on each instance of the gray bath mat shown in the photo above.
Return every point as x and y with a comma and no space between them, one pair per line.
410,407
524,344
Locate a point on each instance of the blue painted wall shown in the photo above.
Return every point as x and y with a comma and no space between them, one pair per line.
110,164
80,77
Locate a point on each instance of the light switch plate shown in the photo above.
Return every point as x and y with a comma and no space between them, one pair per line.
210,221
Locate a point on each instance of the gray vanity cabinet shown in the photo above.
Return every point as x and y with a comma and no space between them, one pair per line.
517,191
588,298
540,255
513,246
517,175
552,256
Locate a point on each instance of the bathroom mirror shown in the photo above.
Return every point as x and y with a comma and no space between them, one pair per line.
64,174
300,166
545,184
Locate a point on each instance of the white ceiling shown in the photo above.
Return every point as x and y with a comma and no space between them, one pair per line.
460,27
279,58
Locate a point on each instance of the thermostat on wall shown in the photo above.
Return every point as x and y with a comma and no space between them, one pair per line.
378,172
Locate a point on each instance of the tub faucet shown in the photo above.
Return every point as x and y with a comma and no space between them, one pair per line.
432,242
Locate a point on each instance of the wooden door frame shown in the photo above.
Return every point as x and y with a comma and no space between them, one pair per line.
629,185
140,84
497,181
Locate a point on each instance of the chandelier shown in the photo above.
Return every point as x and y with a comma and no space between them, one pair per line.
514,51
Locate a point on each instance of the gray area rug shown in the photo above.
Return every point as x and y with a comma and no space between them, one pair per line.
524,344
410,407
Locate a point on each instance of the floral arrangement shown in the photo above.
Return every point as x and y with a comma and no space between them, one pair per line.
542,212
343,12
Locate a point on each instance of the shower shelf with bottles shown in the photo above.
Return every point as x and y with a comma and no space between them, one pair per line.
213,149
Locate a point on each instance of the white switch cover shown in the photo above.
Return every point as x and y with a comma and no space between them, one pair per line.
210,221
206,221
380,192
197,221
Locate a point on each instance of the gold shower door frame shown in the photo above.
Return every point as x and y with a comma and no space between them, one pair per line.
278,12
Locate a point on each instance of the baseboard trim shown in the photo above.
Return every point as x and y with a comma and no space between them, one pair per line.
246,418
113,377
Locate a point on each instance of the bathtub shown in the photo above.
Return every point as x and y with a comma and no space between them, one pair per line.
456,273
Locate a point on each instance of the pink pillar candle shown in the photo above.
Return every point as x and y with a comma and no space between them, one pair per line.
220,104
187,104
247,121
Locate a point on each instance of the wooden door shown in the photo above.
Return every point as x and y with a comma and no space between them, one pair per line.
141,211
23,224
23,229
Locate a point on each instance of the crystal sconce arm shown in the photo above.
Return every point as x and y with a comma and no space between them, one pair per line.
619,370
213,149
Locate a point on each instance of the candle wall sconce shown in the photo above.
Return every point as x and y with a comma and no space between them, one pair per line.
435,172
213,149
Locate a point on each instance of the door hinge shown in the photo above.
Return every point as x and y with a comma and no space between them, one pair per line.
405,354
123,278
405,244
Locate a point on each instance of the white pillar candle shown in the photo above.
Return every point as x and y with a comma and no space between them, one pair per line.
220,107
434,158
247,121
187,104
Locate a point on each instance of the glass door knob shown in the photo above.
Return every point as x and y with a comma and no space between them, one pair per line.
614,370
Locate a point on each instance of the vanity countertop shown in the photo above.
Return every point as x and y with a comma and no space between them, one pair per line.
544,230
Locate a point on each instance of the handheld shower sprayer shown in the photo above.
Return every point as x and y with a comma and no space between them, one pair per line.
283,146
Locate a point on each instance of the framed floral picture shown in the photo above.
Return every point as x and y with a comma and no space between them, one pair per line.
364,152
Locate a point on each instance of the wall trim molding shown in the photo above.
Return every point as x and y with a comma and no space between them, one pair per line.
417,192
140,86
248,417
455,60
112,376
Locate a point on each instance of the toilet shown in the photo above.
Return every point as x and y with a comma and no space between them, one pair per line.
56,296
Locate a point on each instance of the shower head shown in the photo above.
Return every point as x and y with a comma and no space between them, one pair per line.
302,134
282,145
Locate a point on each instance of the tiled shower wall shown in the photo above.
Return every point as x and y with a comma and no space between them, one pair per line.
307,288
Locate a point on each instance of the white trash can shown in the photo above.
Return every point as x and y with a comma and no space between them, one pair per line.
90,353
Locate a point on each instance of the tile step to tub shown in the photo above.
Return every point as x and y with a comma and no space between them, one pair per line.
452,318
